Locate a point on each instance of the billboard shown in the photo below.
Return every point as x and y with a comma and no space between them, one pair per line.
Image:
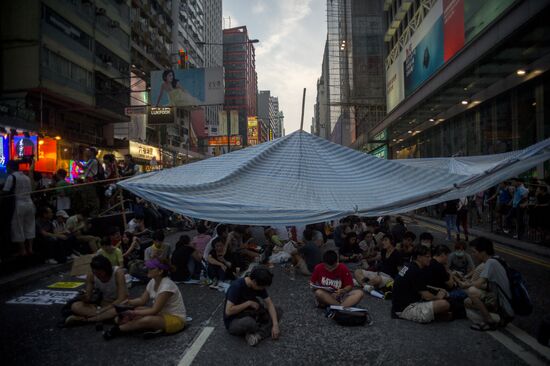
222,124
445,30
4,151
252,132
47,155
23,147
187,87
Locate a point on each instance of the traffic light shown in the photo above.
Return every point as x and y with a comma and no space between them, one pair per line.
183,59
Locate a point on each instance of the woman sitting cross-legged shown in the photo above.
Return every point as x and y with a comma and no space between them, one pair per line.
168,311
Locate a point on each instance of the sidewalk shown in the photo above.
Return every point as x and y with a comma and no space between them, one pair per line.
501,239
16,279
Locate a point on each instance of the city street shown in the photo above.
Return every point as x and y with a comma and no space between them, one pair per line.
30,335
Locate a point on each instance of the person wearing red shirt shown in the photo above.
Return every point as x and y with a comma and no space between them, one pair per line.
333,284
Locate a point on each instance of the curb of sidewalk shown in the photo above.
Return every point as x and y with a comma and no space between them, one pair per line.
516,244
17,280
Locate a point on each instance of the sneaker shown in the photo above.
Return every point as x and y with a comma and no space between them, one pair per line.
253,339
51,261
506,231
152,334
329,313
74,320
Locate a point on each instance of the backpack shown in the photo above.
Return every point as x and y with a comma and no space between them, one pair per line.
349,318
520,301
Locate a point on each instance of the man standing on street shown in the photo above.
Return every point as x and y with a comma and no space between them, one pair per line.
244,315
519,203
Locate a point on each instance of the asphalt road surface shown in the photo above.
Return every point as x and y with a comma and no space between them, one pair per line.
29,335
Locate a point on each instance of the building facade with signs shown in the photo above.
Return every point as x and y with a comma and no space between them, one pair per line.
241,80
466,77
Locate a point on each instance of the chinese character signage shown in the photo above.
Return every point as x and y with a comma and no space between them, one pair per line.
145,152
4,151
24,147
252,131
222,140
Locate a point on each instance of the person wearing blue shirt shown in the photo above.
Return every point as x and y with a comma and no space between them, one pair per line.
519,203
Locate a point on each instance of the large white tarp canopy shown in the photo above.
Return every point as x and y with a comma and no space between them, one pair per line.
301,178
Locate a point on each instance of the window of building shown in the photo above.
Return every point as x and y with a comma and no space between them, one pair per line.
66,68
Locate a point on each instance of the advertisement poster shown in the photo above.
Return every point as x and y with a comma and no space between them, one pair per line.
445,30
187,87
424,59
4,152
47,156
24,147
252,131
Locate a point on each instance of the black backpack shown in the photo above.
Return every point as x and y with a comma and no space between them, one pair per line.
351,318
520,300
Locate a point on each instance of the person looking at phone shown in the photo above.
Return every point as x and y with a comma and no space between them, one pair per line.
333,284
168,312
244,315
105,287
411,298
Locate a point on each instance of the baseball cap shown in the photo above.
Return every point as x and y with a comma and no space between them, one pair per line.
62,213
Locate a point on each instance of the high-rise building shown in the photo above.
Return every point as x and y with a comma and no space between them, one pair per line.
353,76
466,77
65,68
269,114
241,80
213,52
321,125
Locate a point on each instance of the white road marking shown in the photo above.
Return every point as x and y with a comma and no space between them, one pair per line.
192,351
520,351
528,340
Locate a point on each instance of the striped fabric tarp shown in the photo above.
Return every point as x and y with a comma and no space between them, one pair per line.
301,178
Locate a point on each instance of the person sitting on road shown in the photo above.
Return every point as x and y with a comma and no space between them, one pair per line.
136,226
106,281
333,284
388,266
158,249
244,315
114,255
237,248
491,291
129,246
201,239
350,250
168,313
407,246
459,260
399,229
341,231
369,247
310,250
78,225
221,232
186,260
411,299
438,276
219,268
57,247
426,239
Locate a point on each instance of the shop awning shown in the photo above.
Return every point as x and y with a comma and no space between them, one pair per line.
301,178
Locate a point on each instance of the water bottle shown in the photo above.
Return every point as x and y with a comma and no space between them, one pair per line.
202,278
376,294
292,272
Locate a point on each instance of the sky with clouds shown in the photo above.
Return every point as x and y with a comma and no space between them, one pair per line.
292,36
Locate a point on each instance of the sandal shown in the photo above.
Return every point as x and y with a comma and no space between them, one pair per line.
483,327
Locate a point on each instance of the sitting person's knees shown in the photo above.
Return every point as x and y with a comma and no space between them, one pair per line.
319,292
473,292
76,305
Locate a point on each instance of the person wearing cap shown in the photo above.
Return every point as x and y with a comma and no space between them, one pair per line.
168,312
60,223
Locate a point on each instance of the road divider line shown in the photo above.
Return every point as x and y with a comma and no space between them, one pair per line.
528,340
193,351
519,351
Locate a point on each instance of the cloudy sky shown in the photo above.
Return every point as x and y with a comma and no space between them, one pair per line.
292,36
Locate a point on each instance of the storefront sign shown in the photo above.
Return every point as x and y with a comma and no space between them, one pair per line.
222,140
161,116
4,151
47,155
144,152
23,147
